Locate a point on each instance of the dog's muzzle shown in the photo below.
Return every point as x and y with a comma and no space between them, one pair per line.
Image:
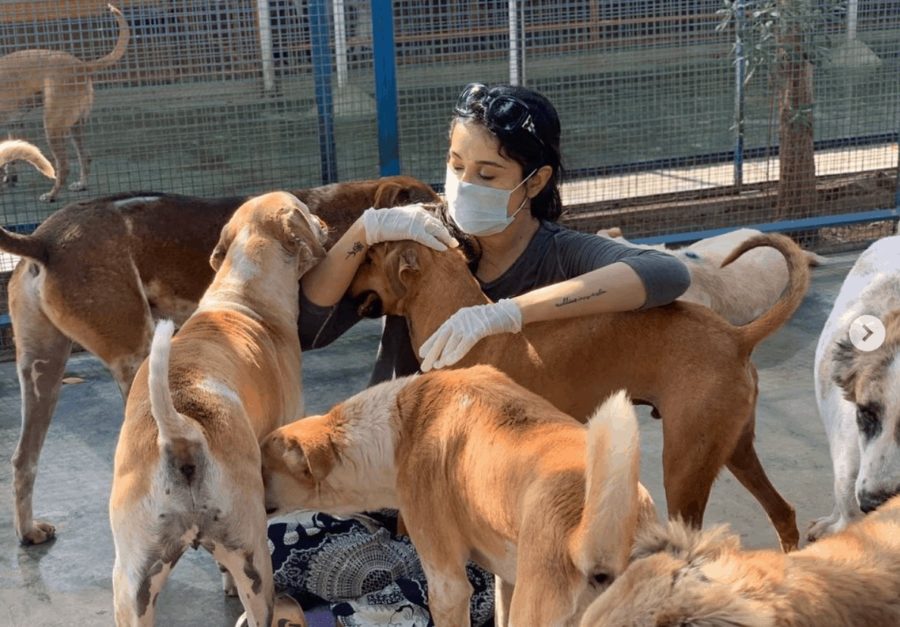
369,305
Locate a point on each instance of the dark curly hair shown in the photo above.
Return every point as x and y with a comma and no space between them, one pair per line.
532,147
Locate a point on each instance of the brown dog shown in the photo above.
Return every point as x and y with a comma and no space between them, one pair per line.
187,462
480,469
687,362
682,576
100,272
66,85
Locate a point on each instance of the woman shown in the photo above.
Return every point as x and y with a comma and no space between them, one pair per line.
502,189
503,200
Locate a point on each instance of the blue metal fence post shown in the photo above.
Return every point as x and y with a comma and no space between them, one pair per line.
740,64
321,60
385,61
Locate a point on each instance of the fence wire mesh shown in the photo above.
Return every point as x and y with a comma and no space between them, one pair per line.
659,135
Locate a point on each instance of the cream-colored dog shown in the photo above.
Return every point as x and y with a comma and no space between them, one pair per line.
65,84
187,465
685,577
739,292
480,469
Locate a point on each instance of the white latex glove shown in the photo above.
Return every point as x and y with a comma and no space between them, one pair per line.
409,222
461,331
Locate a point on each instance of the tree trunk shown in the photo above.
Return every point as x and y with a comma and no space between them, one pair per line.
797,179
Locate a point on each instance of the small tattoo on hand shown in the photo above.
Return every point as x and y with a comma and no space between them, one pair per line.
568,301
357,247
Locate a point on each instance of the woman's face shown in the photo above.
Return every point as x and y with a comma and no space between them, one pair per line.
475,157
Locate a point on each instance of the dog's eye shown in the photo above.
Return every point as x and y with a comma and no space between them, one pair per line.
602,579
867,418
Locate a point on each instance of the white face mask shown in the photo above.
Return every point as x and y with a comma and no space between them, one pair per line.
477,209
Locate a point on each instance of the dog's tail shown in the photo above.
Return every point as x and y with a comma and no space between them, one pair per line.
121,43
180,440
18,150
613,494
16,243
798,282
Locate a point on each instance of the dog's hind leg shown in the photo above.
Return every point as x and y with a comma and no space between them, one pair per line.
745,465
251,570
56,138
143,564
84,159
41,354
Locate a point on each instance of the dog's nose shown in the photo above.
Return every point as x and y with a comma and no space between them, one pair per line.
870,501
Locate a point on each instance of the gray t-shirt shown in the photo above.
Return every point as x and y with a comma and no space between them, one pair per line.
554,254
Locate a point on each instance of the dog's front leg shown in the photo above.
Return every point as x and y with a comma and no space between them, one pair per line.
503,593
845,462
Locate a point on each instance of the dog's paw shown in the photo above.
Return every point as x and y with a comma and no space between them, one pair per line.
39,533
77,186
10,180
825,526
48,197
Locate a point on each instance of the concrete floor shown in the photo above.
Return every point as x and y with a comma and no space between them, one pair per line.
67,581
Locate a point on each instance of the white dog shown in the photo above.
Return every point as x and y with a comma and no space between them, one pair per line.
858,392
741,291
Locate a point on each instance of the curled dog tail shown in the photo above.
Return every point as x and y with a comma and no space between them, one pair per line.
798,282
613,495
16,243
121,43
18,150
180,440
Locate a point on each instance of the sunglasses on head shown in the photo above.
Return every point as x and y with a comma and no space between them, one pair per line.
500,112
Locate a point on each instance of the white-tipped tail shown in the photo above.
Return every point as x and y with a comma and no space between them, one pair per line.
18,150
612,493
172,426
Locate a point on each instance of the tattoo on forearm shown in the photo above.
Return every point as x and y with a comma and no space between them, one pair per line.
566,300
356,248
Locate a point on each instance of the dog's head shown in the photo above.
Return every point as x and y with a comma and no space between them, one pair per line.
296,460
340,204
871,381
392,271
269,231
386,276
681,577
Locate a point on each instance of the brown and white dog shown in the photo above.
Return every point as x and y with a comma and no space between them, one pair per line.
100,273
65,84
686,361
682,577
480,469
187,462
739,292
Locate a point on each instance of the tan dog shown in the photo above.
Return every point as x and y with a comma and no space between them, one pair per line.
480,469
66,85
687,362
739,292
100,272
187,462
684,577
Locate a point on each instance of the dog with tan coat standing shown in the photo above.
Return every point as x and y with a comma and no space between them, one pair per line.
689,364
187,464
480,469
65,83
100,272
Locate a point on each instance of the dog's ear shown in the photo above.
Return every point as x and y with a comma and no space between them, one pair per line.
312,453
298,238
219,252
390,193
846,368
401,264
